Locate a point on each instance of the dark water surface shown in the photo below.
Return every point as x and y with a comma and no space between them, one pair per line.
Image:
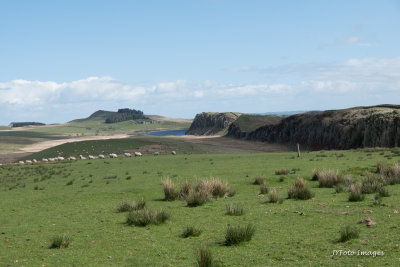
168,133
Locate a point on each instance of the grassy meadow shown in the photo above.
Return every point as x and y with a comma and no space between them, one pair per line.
42,204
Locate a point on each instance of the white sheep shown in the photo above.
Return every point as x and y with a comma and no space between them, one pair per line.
128,154
138,154
71,158
101,156
113,155
45,160
28,161
81,157
52,159
156,153
91,157
173,152
60,158
21,162
34,161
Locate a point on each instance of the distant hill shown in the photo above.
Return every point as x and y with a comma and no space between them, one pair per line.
124,114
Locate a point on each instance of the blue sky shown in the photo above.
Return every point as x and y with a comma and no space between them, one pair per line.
62,60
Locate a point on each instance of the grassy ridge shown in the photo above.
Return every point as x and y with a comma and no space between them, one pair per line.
294,232
250,122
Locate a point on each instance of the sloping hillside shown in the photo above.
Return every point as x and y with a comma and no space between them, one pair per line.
247,123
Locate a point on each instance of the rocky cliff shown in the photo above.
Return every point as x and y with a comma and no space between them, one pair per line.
377,126
209,123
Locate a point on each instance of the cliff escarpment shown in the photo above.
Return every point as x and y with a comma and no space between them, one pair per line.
376,126
210,123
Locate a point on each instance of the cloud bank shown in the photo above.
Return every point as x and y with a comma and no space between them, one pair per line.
309,86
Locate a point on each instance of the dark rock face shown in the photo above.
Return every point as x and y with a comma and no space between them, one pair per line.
211,123
377,126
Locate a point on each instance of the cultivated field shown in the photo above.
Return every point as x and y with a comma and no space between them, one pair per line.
80,199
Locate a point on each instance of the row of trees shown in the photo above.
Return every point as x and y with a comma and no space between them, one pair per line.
125,114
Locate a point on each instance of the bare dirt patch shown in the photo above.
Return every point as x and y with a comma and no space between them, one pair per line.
51,143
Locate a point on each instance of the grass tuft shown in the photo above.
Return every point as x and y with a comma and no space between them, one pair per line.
328,178
191,231
237,234
169,190
144,217
349,232
130,206
234,209
258,180
60,241
356,193
300,190
204,257
272,195
282,171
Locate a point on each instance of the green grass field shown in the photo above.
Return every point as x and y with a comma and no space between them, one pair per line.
79,199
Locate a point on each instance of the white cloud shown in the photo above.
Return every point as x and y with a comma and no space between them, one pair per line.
369,80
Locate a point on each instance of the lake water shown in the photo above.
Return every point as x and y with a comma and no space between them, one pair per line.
168,133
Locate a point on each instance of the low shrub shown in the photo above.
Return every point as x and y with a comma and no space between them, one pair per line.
300,190
349,232
60,241
236,234
234,209
191,231
356,193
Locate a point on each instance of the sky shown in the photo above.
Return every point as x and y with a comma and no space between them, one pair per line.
63,60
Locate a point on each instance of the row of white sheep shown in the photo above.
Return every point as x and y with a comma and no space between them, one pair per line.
101,156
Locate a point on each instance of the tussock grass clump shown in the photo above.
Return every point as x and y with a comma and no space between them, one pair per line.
349,232
191,231
282,171
356,193
216,187
231,192
129,206
197,197
204,257
264,189
236,234
371,184
390,174
315,174
70,182
272,195
300,190
186,187
169,190
234,209
144,217
328,178
60,241
258,180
